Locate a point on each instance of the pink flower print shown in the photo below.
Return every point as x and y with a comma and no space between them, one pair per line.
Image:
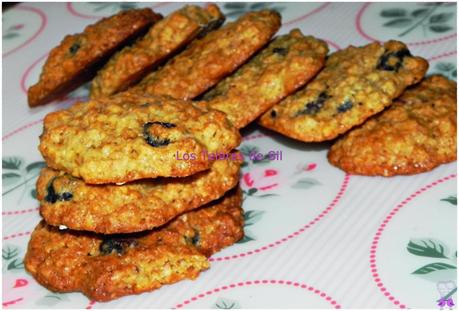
17,27
261,179
20,283
306,167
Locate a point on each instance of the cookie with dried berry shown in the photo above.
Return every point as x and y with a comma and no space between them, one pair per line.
76,59
128,137
105,267
355,84
416,134
132,207
285,65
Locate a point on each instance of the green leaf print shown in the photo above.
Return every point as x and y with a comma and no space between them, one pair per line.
419,18
433,267
35,167
12,163
247,150
18,176
52,299
15,264
9,179
393,13
445,66
10,35
447,69
33,193
427,248
441,18
440,28
223,303
451,199
246,238
251,217
235,9
398,23
113,7
234,5
266,195
419,12
306,183
9,253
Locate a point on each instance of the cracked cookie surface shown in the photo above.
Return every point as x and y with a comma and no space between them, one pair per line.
416,134
286,64
128,137
355,84
78,56
208,60
165,38
105,267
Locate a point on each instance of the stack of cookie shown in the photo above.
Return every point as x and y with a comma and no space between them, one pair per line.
116,185
141,184
133,197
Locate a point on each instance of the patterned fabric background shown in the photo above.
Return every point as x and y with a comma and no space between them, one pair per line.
315,237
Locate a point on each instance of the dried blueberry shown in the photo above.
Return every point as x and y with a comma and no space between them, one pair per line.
118,246
74,48
216,23
314,106
347,105
52,196
193,239
392,61
280,51
196,238
273,113
66,196
153,140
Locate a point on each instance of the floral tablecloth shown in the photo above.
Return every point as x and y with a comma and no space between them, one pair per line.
315,237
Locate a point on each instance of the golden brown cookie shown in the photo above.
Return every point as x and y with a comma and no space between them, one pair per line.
286,64
132,207
106,267
165,38
76,59
208,60
128,137
416,134
355,84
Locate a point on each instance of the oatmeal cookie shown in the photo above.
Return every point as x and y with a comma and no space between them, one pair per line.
137,206
129,136
285,65
416,134
163,39
106,267
76,59
208,60
355,84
